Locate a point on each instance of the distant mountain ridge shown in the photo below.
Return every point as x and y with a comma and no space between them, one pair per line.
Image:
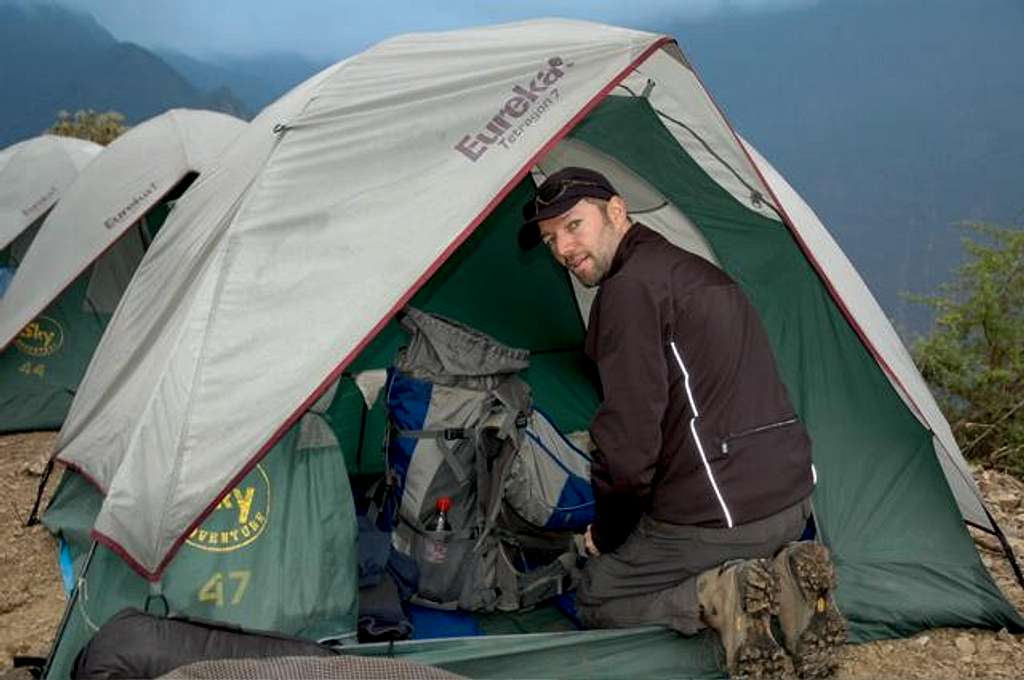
257,80
54,59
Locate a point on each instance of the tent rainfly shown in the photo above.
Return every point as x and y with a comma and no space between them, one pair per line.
69,281
33,176
397,176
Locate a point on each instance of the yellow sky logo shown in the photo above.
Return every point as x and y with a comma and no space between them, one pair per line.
41,338
240,517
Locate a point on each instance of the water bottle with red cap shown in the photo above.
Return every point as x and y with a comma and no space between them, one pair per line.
439,530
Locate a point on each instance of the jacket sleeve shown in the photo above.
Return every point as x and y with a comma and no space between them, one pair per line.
627,346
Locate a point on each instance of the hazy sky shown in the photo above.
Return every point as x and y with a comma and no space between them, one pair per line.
327,29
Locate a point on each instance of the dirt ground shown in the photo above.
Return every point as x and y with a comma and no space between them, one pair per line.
31,599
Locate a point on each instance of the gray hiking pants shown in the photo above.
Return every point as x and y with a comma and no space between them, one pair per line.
652,577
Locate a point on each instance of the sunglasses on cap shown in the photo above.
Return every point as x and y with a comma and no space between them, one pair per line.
549,193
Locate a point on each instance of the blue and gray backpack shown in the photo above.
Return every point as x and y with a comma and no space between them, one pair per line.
462,426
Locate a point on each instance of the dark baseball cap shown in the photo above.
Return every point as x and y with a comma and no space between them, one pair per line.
560,192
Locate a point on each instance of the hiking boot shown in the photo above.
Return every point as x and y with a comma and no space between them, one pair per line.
738,600
812,626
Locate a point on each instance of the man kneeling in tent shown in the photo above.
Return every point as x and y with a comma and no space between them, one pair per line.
703,475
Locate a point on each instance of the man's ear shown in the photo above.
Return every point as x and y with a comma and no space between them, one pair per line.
617,213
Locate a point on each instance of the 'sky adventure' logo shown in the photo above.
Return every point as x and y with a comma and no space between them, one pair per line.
528,103
240,517
41,338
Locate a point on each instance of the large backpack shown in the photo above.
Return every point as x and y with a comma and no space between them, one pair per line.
462,426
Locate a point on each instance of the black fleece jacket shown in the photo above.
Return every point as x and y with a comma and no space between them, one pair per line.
695,426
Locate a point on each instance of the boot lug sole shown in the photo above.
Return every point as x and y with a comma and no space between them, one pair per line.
814,654
760,655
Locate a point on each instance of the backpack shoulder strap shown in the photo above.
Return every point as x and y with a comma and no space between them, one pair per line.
499,435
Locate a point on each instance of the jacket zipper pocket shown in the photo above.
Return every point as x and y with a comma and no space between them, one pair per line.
756,430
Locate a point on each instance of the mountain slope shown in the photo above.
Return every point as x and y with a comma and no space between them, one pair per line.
52,59
257,80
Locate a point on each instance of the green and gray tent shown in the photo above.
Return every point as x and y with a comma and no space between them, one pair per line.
33,176
71,277
230,380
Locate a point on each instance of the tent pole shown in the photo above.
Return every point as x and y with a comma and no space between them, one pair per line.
1007,548
33,518
67,611
362,436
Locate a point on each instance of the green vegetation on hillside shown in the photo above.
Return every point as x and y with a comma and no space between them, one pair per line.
102,128
974,357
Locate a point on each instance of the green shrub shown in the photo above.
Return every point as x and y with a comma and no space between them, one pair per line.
974,357
102,128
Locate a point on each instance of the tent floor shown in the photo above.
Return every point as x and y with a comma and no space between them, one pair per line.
551,617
